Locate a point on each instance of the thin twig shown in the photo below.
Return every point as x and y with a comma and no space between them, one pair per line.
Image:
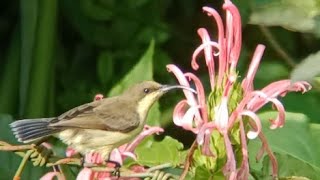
2,143
162,166
276,47
188,160
4,146
16,148
22,165
70,161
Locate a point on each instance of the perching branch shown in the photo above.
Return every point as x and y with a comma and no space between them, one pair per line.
40,156
8,147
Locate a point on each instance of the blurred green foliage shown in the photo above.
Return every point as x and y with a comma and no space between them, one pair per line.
58,54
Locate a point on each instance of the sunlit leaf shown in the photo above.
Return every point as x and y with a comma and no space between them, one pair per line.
142,71
151,152
295,15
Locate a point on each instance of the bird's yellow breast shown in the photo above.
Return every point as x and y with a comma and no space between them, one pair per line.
89,140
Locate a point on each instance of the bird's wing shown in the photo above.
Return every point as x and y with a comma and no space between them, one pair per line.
101,115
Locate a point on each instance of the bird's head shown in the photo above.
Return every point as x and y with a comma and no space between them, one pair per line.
148,92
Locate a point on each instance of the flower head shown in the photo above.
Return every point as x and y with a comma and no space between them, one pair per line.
229,101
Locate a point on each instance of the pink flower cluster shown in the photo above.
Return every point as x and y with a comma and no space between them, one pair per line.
195,114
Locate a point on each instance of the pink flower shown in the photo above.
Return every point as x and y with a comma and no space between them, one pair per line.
56,169
117,155
229,101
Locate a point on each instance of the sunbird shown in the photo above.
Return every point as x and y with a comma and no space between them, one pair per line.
98,126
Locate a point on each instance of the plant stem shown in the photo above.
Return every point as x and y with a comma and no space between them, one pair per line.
16,148
22,165
161,166
276,47
188,160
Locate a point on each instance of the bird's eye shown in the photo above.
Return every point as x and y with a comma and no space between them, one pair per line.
146,90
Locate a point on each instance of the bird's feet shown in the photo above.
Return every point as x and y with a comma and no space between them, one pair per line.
117,166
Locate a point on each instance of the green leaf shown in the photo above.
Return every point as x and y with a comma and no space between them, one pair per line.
307,103
10,161
9,88
140,72
43,62
202,173
308,69
294,15
29,18
295,141
151,152
290,168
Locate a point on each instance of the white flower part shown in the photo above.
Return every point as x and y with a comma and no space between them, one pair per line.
253,134
221,114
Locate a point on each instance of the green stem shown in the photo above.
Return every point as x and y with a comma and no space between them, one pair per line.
161,166
277,47
22,165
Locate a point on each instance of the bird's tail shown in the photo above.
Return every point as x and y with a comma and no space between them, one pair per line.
29,130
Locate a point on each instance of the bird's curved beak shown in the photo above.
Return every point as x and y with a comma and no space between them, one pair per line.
166,88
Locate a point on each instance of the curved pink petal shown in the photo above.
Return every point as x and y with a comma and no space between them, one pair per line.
208,52
116,156
85,174
138,168
256,119
93,157
302,86
204,136
202,131
247,83
146,132
98,97
184,116
179,111
129,154
188,119
201,96
260,99
51,175
199,49
221,41
212,12
70,152
234,34
183,81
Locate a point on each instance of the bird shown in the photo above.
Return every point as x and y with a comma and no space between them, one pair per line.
98,126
